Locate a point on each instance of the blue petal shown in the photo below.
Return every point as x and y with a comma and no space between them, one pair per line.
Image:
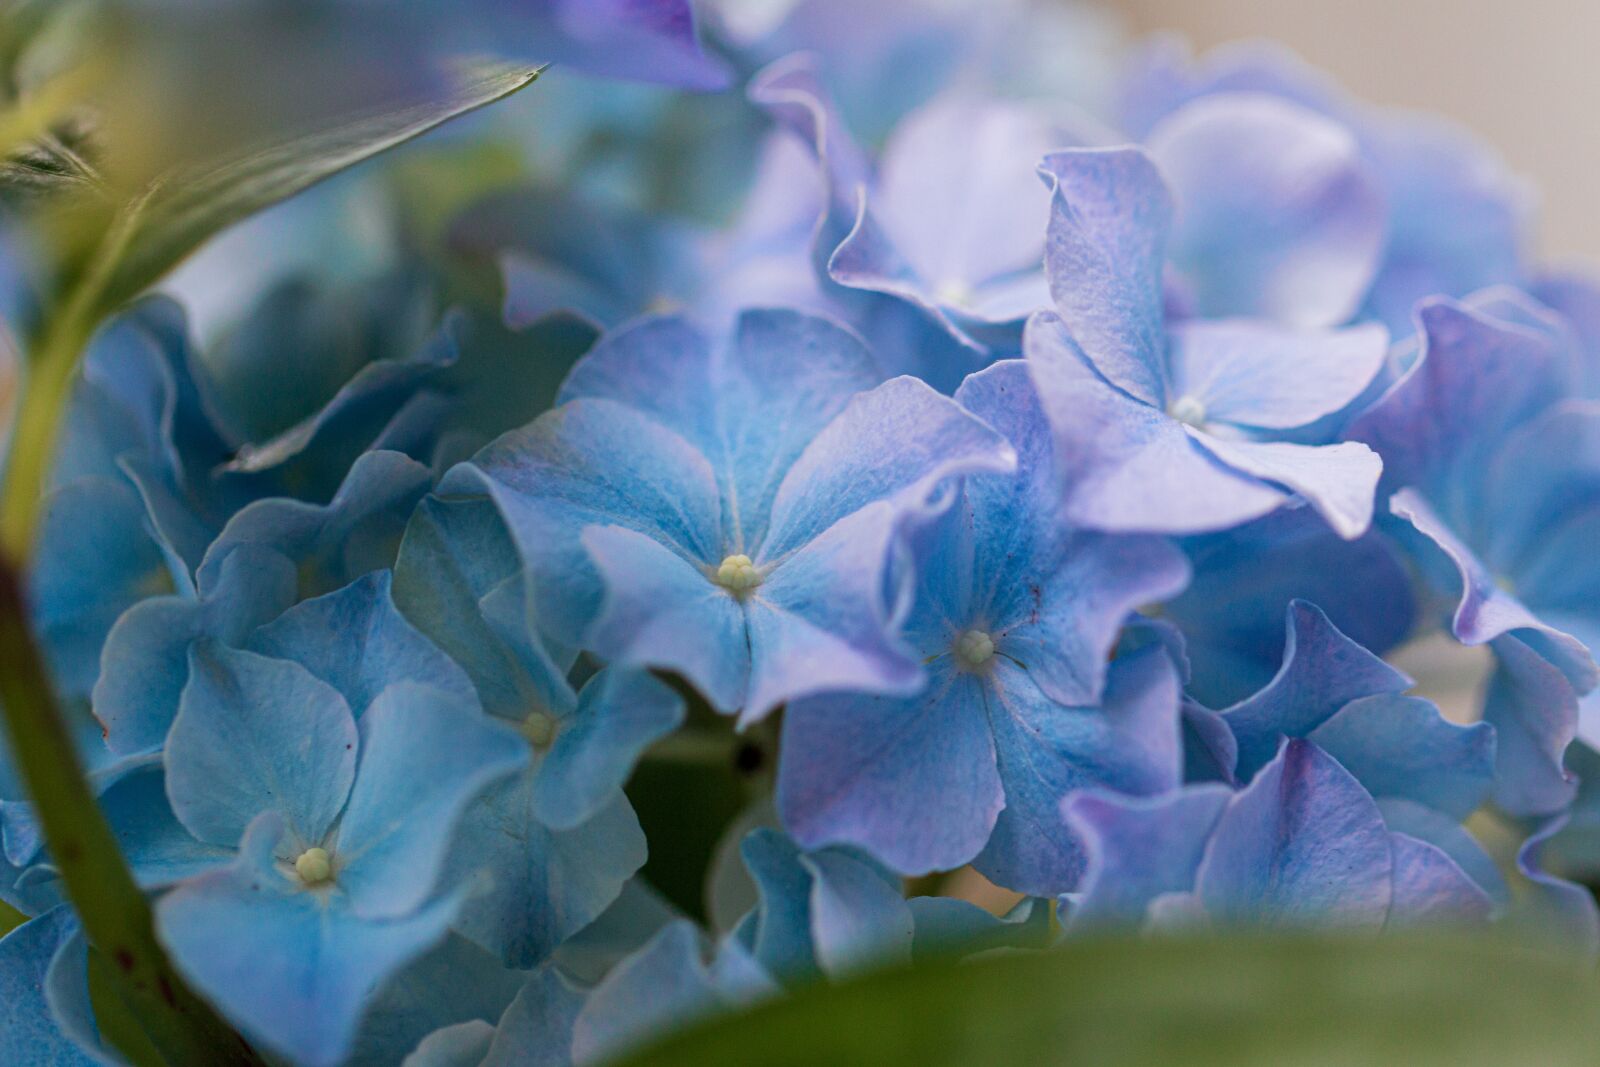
292,969
255,735
536,1028
355,640
461,1045
1322,671
452,983
1109,222
1402,747
1338,480
1567,909
1302,843
620,714
540,885
945,925
1447,835
145,662
859,918
158,848
1430,888
1139,849
1131,466
425,755
1258,375
29,1035
592,461
456,553
750,403
1278,216
1129,743
665,986
1058,597
913,781
777,932
334,543
896,443
662,611
1534,711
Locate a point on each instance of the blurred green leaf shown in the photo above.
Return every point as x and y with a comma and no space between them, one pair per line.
183,210
1288,1001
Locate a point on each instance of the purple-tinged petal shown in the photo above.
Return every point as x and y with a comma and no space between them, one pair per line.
1210,749
1338,480
1130,466
293,971
1445,833
1402,747
897,443
1477,377
425,756
1269,377
1139,849
1322,671
1129,743
1104,255
661,611
1534,711
1567,908
1064,620
1488,611
912,781
1429,888
1302,843
1278,216
255,734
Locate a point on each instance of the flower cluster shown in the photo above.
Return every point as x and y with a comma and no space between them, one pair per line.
1013,476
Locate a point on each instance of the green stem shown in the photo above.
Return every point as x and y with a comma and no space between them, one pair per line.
114,913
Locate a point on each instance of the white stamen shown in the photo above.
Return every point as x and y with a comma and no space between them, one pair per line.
955,293
314,866
738,575
1188,409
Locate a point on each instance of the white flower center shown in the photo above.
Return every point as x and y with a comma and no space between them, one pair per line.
955,293
738,575
1188,409
974,648
314,866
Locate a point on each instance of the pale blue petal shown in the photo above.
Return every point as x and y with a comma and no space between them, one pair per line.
425,756
292,969
541,885
1566,908
461,1045
1270,377
1338,480
536,1029
1429,888
660,610
859,919
453,982
1534,711
255,735
620,713
146,659
356,641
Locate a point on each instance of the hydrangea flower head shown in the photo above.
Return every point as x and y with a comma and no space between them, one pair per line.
672,456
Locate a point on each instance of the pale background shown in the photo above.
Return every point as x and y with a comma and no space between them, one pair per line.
1525,75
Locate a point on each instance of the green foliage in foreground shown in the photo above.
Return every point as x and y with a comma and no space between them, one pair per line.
1289,1001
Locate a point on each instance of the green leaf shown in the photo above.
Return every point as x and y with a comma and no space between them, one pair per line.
1289,1001
183,210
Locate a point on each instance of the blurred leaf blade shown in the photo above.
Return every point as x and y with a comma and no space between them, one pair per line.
187,208
1291,1001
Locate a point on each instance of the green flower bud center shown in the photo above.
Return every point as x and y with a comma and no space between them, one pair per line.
539,728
